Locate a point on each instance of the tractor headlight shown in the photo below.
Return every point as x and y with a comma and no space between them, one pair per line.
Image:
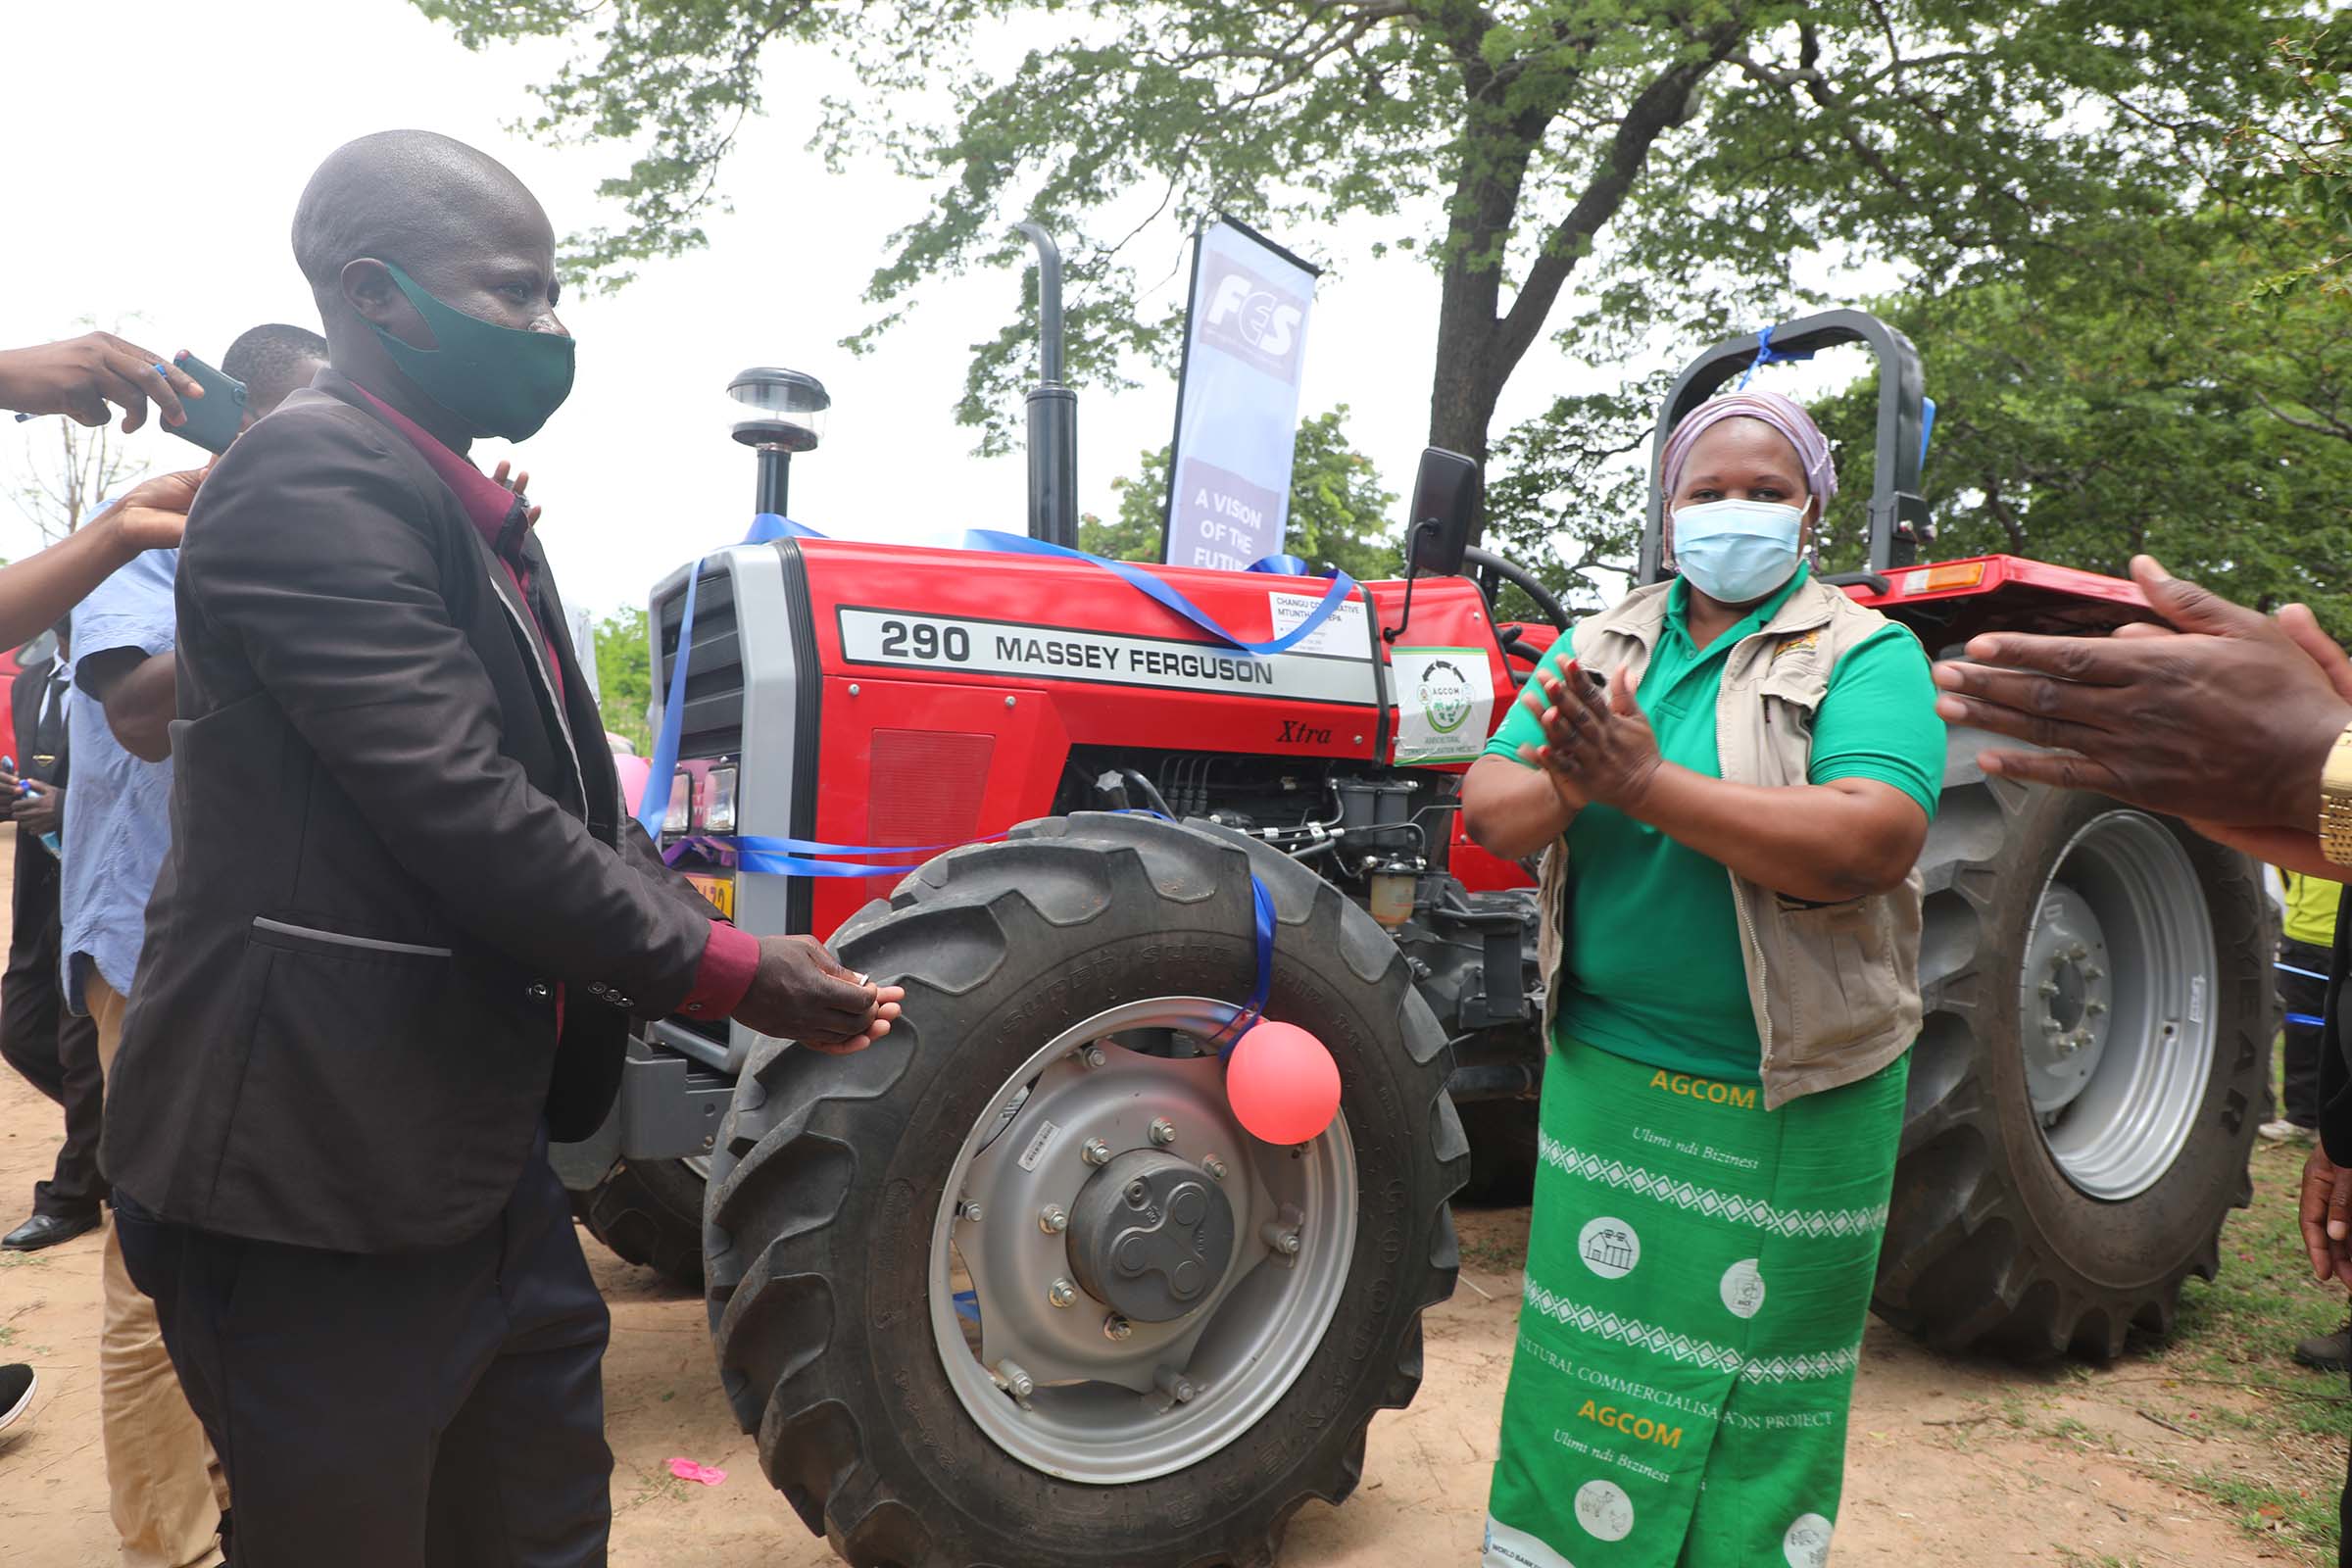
680,816
719,808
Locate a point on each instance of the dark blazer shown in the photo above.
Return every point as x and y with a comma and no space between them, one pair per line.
24,699
386,857
32,899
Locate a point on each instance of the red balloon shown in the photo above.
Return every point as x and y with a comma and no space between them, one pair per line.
1282,1083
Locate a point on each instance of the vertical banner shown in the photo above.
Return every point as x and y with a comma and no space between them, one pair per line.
1237,399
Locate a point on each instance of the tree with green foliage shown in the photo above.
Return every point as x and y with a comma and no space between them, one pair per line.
1340,514
625,678
1676,161
2152,403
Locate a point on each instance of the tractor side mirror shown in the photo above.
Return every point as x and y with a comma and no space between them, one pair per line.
1445,510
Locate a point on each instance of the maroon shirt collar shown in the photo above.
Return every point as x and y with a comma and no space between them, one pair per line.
490,505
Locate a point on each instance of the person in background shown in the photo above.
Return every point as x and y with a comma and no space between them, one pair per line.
2305,939
1729,827
2241,724
2306,936
403,924
54,1047
168,1491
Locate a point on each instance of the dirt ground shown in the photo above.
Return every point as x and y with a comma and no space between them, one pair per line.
1949,1461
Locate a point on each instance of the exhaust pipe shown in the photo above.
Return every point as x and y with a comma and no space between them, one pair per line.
1053,410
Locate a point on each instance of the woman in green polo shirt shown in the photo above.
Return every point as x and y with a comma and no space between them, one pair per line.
1730,777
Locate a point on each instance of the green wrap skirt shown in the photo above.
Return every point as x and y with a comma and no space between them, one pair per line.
1697,1277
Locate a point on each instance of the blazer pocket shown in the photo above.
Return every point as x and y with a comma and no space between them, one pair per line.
338,944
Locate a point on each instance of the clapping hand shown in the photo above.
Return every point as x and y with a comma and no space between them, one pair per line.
1595,748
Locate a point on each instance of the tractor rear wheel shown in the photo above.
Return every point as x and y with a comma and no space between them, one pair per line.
649,1212
939,1271
2090,1075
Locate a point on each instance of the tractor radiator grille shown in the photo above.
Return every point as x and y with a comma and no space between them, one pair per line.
712,725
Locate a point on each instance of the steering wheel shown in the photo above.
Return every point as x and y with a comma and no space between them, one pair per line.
1489,571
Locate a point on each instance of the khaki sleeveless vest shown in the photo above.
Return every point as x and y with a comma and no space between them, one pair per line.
1835,987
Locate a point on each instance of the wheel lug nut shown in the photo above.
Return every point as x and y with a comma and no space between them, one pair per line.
1092,1056
2094,1008
1062,1292
1096,1152
1175,1385
2078,952
1053,1219
2048,988
1279,1237
1164,1131
966,1210
2093,973
1216,1168
1017,1379
1116,1326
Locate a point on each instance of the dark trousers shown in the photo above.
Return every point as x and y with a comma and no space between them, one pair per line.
56,1052
396,1411
2307,998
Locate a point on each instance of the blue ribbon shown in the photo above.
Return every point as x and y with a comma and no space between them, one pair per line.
1161,593
1283,565
1262,917
1927,427
662,767
2306,1020
1766,354
2308,974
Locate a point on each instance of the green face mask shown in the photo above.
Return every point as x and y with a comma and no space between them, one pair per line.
499,381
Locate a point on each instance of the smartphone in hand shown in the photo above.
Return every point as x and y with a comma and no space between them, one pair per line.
215,418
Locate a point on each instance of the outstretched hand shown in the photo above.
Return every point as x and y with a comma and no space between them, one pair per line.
799,991
80,375
2228,721
154,513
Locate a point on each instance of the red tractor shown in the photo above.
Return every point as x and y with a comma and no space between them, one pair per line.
1013,1287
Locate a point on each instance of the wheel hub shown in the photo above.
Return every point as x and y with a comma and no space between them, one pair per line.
1149,1236
2068,999
1069,1325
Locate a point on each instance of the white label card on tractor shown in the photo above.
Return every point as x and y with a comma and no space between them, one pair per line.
1445,700
1345,633
1035,651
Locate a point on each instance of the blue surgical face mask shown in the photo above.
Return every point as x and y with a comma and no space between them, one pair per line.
1735,551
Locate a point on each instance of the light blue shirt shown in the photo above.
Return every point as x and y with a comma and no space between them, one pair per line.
120,825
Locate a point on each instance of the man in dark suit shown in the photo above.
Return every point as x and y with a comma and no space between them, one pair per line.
54,1050
402,925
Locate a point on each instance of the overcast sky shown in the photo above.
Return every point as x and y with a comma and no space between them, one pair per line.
157,150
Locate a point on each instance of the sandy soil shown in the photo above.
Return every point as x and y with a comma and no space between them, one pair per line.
1950,1461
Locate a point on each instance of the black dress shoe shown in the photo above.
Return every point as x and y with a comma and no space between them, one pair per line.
46,1230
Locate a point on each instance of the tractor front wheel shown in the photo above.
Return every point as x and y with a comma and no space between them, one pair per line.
1011,1286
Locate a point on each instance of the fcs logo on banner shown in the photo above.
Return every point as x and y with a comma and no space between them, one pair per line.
1255,321
1808,1542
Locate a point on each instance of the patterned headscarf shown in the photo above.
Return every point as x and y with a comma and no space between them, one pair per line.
1783,414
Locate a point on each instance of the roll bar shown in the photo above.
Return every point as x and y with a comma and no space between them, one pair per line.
1898,513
